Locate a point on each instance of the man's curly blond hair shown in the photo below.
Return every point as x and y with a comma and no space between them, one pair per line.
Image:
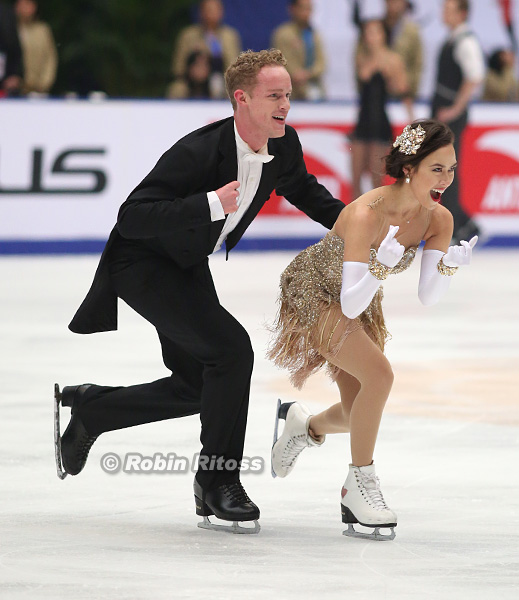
241,75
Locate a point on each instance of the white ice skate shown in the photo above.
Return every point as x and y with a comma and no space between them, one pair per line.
362,502
294,439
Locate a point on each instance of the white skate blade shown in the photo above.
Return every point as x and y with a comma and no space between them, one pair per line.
375,535
234,528
57,434
276,424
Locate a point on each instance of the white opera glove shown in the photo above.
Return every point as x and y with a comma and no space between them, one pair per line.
358,288
390,251
458,256
358,284
433,284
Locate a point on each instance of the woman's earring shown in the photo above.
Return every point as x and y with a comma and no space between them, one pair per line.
407,179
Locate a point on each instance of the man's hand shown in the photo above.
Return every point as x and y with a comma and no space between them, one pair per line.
448,114
463,97
228,195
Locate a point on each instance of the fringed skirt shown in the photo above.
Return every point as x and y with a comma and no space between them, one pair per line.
304,348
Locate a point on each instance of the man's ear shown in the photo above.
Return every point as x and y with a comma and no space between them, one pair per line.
240,96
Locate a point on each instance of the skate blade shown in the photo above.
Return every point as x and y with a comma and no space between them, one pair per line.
234,528
375,535
57,434
276,425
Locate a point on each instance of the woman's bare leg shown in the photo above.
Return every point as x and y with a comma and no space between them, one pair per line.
376,153
359,164
336,419
361,358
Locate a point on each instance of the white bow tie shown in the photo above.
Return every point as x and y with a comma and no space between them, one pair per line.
252,157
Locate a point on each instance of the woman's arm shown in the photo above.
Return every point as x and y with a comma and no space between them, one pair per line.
440,261
365,66
437,269
360,278
398,82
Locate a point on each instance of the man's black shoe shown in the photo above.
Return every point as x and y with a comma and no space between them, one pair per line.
228,502
76,441
72,395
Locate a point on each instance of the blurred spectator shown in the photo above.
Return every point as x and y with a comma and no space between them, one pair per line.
302,47
404,38
500,83
379,70
221,42
11,66
40,57
461,70
195,82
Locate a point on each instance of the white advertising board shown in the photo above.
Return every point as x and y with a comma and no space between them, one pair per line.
66,167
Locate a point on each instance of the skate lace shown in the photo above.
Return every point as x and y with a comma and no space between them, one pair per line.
295,445
370,487
236,492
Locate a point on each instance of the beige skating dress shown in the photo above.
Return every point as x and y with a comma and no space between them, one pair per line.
310,321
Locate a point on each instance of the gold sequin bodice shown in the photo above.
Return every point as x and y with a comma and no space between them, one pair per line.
315,276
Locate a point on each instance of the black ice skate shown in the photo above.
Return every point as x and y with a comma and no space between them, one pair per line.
71,450
228,502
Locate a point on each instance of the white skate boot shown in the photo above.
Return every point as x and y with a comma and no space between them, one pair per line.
294,439
362,502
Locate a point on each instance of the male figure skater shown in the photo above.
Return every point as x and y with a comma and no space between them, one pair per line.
205,190
461,69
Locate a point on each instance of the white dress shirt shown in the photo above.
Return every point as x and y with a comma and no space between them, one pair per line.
250,166
468,54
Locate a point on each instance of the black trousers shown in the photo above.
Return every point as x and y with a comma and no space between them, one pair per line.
208,352
451,196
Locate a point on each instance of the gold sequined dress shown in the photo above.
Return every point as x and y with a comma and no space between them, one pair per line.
310,321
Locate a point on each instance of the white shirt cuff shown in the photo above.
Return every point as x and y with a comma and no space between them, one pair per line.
215,206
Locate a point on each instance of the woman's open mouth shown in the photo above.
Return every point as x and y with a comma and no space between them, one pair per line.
436,195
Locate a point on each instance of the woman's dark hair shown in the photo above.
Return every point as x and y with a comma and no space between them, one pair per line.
437,135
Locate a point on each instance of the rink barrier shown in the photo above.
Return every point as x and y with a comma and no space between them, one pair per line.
63,247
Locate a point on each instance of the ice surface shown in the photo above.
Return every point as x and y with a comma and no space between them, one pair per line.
447,453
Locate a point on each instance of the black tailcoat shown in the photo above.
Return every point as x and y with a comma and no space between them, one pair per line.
168,212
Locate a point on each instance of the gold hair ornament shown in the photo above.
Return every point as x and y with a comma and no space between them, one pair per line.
410,140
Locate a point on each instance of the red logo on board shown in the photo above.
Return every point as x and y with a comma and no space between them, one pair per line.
489,170
327,156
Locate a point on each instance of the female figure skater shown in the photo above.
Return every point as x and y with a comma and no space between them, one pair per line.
379,70
330,309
